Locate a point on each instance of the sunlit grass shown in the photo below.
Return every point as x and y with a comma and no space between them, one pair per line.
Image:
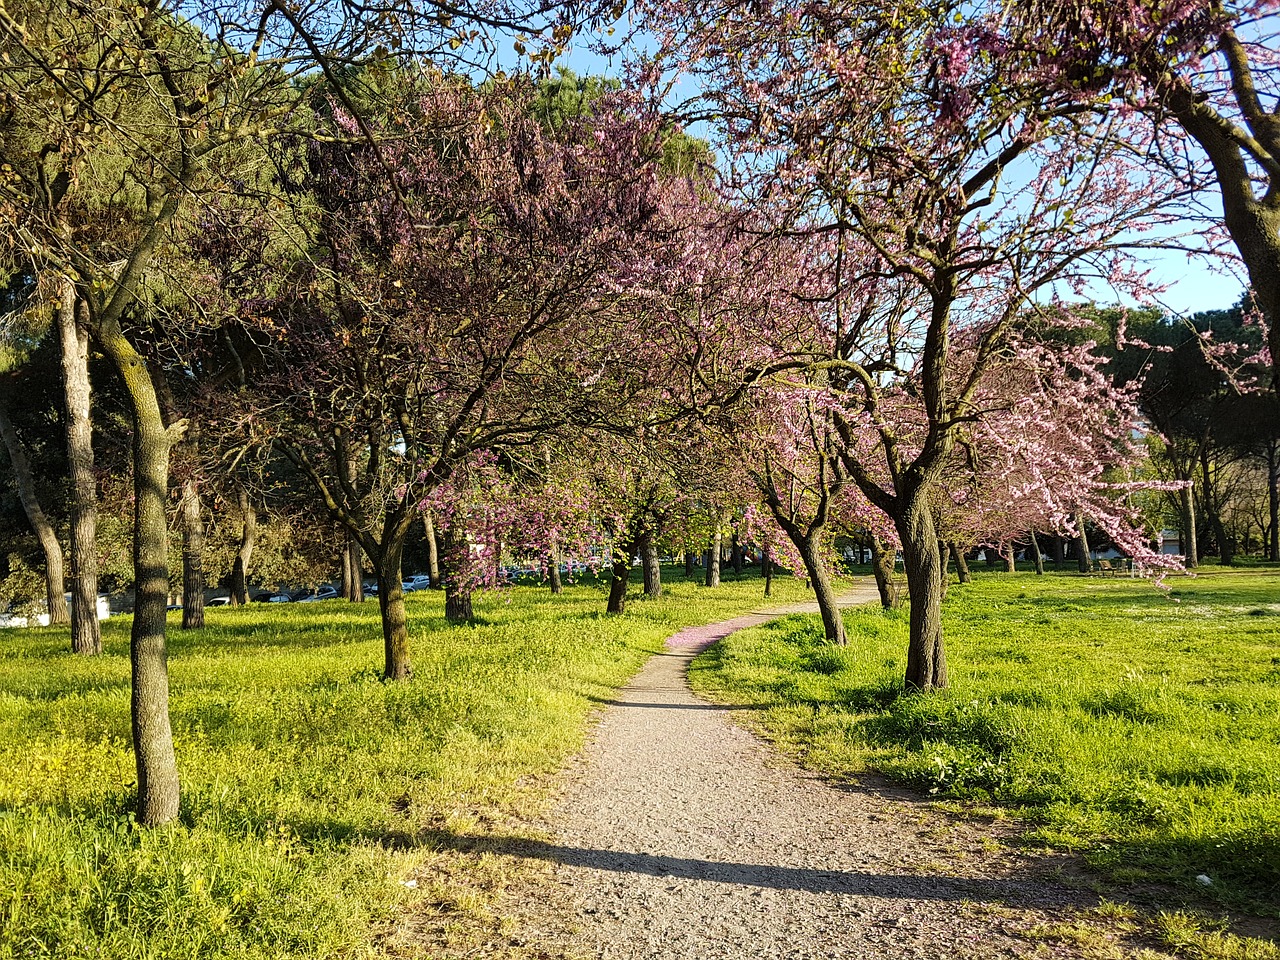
308,783
1140,728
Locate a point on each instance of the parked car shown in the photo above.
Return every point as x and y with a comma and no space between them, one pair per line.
218,602
273,598
371,588
417,582
322,593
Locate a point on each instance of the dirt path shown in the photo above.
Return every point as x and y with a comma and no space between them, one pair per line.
681,835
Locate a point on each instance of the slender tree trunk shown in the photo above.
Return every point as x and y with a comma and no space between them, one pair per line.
157,769
620,577
433,549
457,591
553,567
55,594
766,562
248,530
1083,561
1010,565
1059,554
735,552
962,565
926,655
192,557
688,564
1213,507
352,569
1187,501
395,624
652,568
73,336
713,555
1273,497
810,549
883,559
1036,555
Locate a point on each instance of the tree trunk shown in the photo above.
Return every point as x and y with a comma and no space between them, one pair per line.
1036,555
713,555
1010,565
962,565
926,655
688,564
1213,507
1083,562
73,336
1273,497
433,549
457,591
395,624
1187,502
815,567
736,553
649,562
766,562
352,569
944,576
619,577
158,788
248,529
553,567
192,557
1059,554
883,559
55,594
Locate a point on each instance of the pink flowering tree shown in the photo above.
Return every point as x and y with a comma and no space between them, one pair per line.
1196,83
451,301
947,186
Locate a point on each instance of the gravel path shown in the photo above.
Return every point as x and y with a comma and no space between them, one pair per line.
681,835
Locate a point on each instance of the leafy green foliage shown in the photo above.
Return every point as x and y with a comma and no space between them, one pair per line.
310,787
1136,726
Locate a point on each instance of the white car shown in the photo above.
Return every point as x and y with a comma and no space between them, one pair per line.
419,582
218,602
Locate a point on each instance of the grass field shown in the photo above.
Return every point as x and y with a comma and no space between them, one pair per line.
1138,727
306,780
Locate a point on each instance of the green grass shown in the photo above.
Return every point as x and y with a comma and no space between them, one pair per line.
310,787
1140,728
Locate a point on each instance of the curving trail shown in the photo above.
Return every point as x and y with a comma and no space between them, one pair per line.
681,836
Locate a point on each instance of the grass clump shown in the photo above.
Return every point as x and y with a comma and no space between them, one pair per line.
1138,727
311,789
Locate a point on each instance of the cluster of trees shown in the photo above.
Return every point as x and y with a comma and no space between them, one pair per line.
311,263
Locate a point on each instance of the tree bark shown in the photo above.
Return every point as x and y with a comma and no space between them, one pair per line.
395,624
433,549
1187,502
158,788
1273,498
735,552
457,592
73,337
1010,565
620,577
713,555
810,549
192,557
883,560
688,564
962,565
55,594
1058,552
926,655
766,562
248,529
652,568
1083,561
352,568
553,567
1036,555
